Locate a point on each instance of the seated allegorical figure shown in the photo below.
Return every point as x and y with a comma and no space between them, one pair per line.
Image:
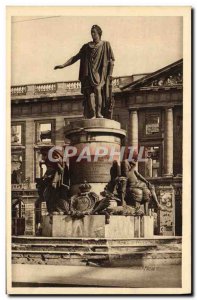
114,175
53,186
138,189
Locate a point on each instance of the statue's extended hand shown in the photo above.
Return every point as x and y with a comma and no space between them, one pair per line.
57,67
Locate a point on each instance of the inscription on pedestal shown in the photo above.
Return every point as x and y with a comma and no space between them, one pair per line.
97,172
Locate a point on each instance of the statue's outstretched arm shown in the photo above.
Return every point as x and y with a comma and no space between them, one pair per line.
69,62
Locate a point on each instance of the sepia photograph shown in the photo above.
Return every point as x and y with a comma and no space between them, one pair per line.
98,150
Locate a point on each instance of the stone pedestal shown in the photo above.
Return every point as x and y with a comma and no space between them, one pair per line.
147,226
95,227
65,226
98,143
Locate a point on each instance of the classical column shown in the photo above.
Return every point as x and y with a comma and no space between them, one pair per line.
133,128
168,142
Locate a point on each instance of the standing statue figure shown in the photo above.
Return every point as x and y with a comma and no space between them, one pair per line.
95,74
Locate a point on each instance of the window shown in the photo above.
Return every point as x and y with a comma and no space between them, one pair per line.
17,152
152,123
18,208
17,162
18,133
152,164
39,169
45,132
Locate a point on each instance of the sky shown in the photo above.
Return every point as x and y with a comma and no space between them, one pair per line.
140,45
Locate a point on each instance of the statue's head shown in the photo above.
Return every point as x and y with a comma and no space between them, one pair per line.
96,32
115,163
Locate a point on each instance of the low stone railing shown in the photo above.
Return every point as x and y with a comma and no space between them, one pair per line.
18,90
45,88
115,82
53,88
73,85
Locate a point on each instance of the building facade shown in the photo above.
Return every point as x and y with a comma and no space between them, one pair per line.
149,108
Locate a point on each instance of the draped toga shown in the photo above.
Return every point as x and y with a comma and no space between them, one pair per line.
95,60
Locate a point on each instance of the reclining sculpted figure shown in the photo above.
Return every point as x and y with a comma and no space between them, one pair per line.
137,189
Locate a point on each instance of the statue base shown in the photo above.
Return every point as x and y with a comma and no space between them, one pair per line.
94,226
89,136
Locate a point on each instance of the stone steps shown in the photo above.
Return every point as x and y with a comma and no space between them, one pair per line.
94,248
101,252
157,240
98,258
57,240
83,247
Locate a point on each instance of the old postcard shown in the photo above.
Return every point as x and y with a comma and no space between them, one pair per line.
99,145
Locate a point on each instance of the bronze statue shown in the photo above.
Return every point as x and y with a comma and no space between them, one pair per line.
96,67
137,190
53,186
114,174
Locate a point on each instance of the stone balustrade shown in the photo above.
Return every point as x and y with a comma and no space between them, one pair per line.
45,88
18,90
54,88
115,82
73,85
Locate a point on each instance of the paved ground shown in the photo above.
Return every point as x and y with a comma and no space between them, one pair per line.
52,275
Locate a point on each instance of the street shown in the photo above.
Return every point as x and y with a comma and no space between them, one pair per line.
82,276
